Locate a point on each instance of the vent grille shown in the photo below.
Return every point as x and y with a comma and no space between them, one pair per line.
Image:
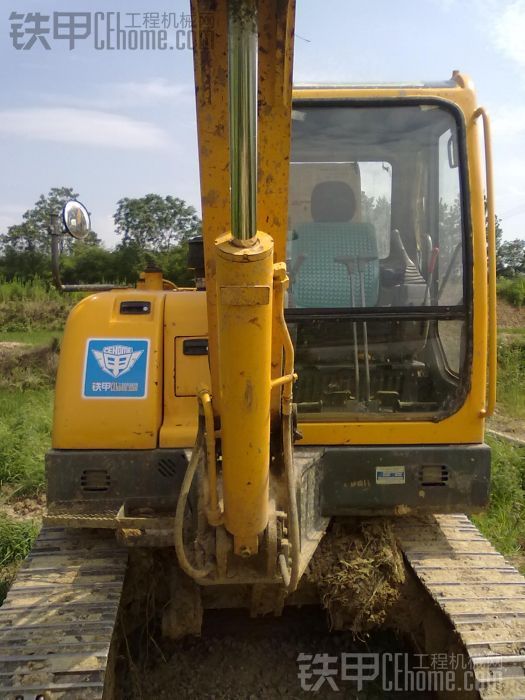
167,467
95,480
433,475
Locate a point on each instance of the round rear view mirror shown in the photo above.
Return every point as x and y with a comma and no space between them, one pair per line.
76,219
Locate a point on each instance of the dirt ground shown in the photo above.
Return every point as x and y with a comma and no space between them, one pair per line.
21,508
513,428
7,347
510,316
24,366
242,659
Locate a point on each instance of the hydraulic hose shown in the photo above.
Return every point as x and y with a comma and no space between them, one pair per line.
291,579
214,513
196,456
293,514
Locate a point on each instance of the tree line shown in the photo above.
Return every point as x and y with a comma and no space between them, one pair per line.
151,229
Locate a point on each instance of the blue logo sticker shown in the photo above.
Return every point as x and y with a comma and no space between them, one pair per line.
116,369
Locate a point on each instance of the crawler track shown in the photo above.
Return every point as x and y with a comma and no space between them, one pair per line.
57,622
481,594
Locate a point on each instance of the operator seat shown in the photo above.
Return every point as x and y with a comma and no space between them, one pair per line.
319,280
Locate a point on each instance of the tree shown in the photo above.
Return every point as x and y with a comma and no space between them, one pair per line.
510,255
155,223
24,264
499,231
154,229
510,258
32,235
26,247
130,260
88,264
175,266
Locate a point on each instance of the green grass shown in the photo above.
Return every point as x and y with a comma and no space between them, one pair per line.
511,378
504,522
35,290
34,315
25,429
34,307
512,290
28,367
513,331
16,539
33,337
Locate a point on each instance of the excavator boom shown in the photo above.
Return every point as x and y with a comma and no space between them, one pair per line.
268,167
330,365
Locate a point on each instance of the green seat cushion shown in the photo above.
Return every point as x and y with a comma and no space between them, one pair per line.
320,281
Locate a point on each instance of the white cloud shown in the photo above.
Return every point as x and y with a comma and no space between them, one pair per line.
508,122
81,126
156,89
509,31
130,94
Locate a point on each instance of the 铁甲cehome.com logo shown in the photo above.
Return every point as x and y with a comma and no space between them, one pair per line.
392,672
107,31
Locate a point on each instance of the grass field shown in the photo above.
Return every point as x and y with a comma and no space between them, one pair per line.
511,376
16,538
33,308
504,522
26,399
24,439
31,337
513,290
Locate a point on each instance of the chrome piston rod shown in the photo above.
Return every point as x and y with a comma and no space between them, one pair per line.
242,77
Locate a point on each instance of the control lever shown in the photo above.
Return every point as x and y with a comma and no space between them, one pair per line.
293,274
430,272
357,262
347,261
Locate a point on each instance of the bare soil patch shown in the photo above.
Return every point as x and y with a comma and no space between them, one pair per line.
510,316
238,658
21,508
8,347
23,366
509,426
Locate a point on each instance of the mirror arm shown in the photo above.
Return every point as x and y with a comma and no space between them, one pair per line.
56,234
92,287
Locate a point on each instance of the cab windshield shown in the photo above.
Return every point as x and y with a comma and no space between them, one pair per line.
376,253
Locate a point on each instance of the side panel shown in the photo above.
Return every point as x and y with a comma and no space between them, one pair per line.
397,480
109,382
100,481
185,319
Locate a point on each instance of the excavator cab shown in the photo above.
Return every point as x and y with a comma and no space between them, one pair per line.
378,243
384,248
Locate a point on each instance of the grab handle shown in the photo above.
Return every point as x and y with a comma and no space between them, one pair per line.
491,238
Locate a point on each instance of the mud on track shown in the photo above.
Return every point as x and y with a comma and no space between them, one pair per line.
238,658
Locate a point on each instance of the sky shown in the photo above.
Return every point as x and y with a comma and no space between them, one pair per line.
115,123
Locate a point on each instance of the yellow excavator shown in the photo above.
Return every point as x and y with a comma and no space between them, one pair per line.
336,359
